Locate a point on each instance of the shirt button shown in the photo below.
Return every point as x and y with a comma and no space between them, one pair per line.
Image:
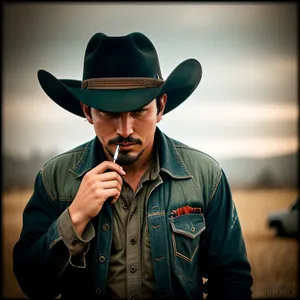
163,296
125,206
132,269
127,188
105,227
134,298
98,291
132,241
102,259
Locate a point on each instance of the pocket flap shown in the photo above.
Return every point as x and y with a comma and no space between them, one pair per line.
190,225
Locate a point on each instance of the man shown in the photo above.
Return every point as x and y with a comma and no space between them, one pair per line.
150,225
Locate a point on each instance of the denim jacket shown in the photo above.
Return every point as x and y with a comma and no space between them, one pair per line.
185,248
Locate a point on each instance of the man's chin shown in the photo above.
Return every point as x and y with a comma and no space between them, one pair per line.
126,159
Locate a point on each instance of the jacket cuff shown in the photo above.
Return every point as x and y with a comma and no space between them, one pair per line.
72,240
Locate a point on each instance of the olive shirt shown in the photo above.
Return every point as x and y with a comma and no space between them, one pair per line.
130,272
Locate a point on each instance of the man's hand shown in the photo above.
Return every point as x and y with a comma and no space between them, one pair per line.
96,187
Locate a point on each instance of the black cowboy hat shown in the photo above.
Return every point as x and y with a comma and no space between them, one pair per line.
121,74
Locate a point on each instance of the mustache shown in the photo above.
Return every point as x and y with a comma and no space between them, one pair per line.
121,140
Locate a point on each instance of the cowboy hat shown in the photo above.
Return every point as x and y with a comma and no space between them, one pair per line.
121,74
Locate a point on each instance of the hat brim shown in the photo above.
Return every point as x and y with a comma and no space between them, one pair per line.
68,93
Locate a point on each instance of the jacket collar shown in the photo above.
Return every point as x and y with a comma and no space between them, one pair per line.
92,156
170,160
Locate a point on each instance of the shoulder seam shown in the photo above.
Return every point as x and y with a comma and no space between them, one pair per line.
44,176
47,188
196,150
63,154
219,175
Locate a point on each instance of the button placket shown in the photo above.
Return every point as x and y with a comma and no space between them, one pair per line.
133,250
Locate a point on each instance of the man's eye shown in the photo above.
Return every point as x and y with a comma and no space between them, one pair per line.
139,112
111,114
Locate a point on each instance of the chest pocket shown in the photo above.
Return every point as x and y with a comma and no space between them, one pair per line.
186,232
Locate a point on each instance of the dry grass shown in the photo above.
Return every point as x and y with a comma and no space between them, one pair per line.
13,204
274,260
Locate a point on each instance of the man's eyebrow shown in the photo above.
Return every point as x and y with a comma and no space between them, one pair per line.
142,108
108,112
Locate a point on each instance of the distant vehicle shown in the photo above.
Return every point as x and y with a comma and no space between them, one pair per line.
285,221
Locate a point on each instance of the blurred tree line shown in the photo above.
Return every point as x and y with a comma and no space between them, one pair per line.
273,172
20,173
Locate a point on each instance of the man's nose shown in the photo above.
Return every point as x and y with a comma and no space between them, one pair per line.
125,125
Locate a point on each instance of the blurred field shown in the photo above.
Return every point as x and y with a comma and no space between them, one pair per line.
274,260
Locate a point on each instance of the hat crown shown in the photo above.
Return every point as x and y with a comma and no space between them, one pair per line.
132,55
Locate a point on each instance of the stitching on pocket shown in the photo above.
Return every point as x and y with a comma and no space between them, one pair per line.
178,254
185,233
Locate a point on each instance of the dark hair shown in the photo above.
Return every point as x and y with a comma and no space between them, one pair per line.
158,103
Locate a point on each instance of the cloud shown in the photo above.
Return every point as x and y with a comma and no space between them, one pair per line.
248,53
237,112
246,147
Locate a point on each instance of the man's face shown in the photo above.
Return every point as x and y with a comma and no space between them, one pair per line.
133,131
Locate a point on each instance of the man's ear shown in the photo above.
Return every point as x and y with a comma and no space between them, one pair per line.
162,105
87,112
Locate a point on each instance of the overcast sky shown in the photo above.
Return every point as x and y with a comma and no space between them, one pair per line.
245,104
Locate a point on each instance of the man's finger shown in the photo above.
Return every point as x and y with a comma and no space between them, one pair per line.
113,192
108,165
111,184
110,176
114,200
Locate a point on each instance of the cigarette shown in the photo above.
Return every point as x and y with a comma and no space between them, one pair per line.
116,153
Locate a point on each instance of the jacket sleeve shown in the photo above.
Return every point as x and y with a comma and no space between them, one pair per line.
223,254
48,244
